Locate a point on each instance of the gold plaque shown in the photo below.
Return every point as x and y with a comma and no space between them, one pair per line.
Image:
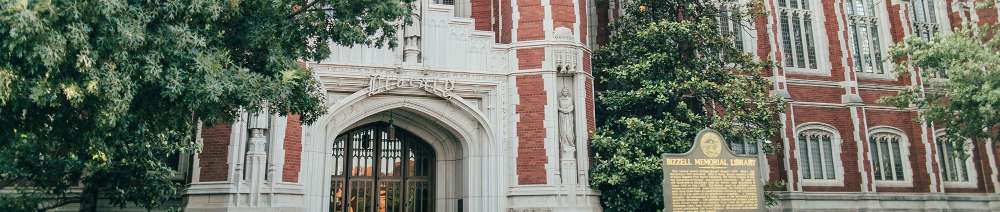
711,144
715,180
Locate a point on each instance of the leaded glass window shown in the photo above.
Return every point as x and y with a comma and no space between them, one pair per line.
816,159
380,167
954,167
730,25
798,44
863,26
742,147
924,18
886,155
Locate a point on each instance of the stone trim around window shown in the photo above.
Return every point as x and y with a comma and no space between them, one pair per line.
904,151
972,173
836,143
818,45
879,17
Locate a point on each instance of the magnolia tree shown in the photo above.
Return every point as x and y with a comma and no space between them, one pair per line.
670,69
95,96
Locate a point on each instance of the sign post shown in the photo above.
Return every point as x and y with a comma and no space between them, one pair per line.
709,177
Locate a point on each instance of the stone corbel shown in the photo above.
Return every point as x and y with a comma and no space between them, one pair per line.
566,58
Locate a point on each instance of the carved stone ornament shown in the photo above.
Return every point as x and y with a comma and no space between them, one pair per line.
378,84
566,57
567,136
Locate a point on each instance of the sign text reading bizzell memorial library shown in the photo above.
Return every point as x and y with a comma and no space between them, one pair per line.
709,177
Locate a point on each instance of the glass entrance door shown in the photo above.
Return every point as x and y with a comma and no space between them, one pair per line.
381,168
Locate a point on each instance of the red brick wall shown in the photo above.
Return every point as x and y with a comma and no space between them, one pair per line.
815,94
530,25
481,14
531,158
530,58
563,13
987,15
895,20
506,22
293,149
213,158
996,158
954,18
591,119
871,97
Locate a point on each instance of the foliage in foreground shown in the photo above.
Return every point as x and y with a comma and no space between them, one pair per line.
98,95
666,73
967,102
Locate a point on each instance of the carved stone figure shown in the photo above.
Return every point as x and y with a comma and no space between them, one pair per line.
567,133
411,36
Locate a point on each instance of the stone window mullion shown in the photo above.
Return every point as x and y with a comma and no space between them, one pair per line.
797,41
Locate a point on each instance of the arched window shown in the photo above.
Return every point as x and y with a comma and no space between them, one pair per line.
818,153
956,170
381,167
889,153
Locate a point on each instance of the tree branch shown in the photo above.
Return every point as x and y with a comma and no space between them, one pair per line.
304,8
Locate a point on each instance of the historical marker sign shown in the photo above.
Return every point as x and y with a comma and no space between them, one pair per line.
709,177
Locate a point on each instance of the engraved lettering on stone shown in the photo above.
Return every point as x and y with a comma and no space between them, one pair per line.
378,84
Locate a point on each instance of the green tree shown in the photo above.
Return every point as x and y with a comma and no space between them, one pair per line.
666,73
960,88
97,94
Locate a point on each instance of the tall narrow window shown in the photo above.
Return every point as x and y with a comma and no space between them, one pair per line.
953,167
742,147
816,159
798,45
446,2
924,15
886,150
731,26
864,33
925,22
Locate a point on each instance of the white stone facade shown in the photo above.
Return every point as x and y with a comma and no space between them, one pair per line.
448,84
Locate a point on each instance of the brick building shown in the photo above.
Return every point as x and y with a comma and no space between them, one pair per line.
841,149
488,106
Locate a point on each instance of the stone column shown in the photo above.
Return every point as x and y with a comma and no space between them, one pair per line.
256,157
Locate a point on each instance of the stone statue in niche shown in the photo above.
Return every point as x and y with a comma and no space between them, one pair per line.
411,36
567,134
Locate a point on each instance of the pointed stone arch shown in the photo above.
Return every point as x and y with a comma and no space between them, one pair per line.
467,154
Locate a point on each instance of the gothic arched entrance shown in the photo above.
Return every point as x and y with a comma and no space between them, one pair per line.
379,167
